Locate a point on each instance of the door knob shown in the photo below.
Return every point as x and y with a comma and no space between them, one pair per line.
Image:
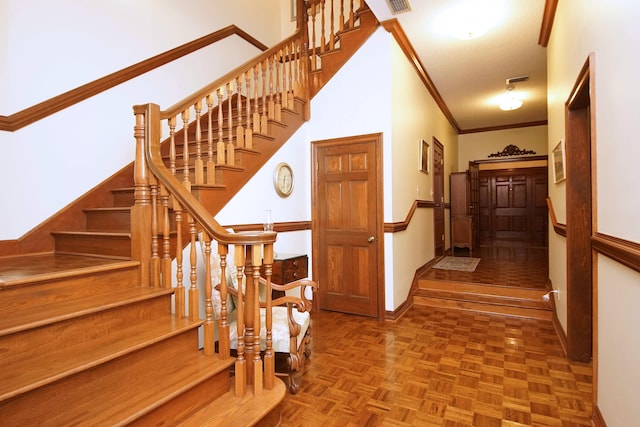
371,239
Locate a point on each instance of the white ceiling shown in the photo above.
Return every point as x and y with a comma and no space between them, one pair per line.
470,74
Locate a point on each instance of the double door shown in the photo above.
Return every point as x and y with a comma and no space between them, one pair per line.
512,204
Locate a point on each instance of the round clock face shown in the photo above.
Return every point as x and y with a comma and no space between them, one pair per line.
283,180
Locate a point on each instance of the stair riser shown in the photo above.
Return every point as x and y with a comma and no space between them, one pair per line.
108,245
500,310
31,296
176,410
109,221
124,198
77,393
57,336
538,304
499,291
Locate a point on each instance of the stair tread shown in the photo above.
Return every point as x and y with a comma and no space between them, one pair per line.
12,320
158,380
46,368
229,410
25,269
488,308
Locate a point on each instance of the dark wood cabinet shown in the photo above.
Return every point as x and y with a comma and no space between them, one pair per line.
464,198
288,268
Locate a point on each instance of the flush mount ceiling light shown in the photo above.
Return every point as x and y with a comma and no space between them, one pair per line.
511,100
469,19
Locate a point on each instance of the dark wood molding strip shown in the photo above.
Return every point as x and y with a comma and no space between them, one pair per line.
393,26
279,227
504,127
393,227
623,251
548,15
53,105
559,228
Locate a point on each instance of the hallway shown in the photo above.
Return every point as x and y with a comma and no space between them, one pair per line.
442,367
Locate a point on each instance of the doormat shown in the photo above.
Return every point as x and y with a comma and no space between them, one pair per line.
457,263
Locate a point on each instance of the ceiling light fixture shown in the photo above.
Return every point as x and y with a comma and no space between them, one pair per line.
471,19
511,101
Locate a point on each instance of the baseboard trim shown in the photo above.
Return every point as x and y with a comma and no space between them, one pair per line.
406,305
597,419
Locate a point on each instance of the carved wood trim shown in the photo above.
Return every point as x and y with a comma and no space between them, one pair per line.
548,16
53,105
513,159
393,26
393,227
512,150
623,251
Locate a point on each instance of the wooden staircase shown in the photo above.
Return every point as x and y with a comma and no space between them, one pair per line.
483,298
82,342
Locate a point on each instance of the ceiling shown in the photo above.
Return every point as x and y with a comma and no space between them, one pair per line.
470,75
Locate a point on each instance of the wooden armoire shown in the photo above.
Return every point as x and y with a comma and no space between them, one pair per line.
464,208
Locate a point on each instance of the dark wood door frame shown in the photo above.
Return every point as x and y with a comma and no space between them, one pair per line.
581,224
438,198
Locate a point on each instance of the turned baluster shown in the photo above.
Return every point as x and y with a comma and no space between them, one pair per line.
256,262
166,238
211,167
278,87
223,322
289,76
241,365
313,37
265,88
179,291
239,129
220,146
248,133
155,256
194,313
208,326
185,150
341,15
231,158
172,145
269,357
323,39
332,34
271,112
256,115
351,16
199,163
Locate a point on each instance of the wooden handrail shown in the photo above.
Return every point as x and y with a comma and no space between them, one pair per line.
560,229
51,106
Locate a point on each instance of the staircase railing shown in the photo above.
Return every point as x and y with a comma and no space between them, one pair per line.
201,134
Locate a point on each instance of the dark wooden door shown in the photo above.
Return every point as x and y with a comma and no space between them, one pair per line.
348,225
438,197
512,204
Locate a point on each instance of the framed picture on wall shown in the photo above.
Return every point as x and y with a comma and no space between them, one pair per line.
425,156
559,162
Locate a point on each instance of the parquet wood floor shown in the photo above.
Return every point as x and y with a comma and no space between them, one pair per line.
437,367
441,367
502,264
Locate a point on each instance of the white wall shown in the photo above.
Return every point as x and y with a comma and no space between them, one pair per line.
609,30
81,146
415,117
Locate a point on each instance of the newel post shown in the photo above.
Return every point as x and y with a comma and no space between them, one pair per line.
141,212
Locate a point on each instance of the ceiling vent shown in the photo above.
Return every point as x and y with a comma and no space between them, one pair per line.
399,6
514,80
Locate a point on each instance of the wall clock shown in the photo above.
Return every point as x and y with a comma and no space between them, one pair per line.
283,179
